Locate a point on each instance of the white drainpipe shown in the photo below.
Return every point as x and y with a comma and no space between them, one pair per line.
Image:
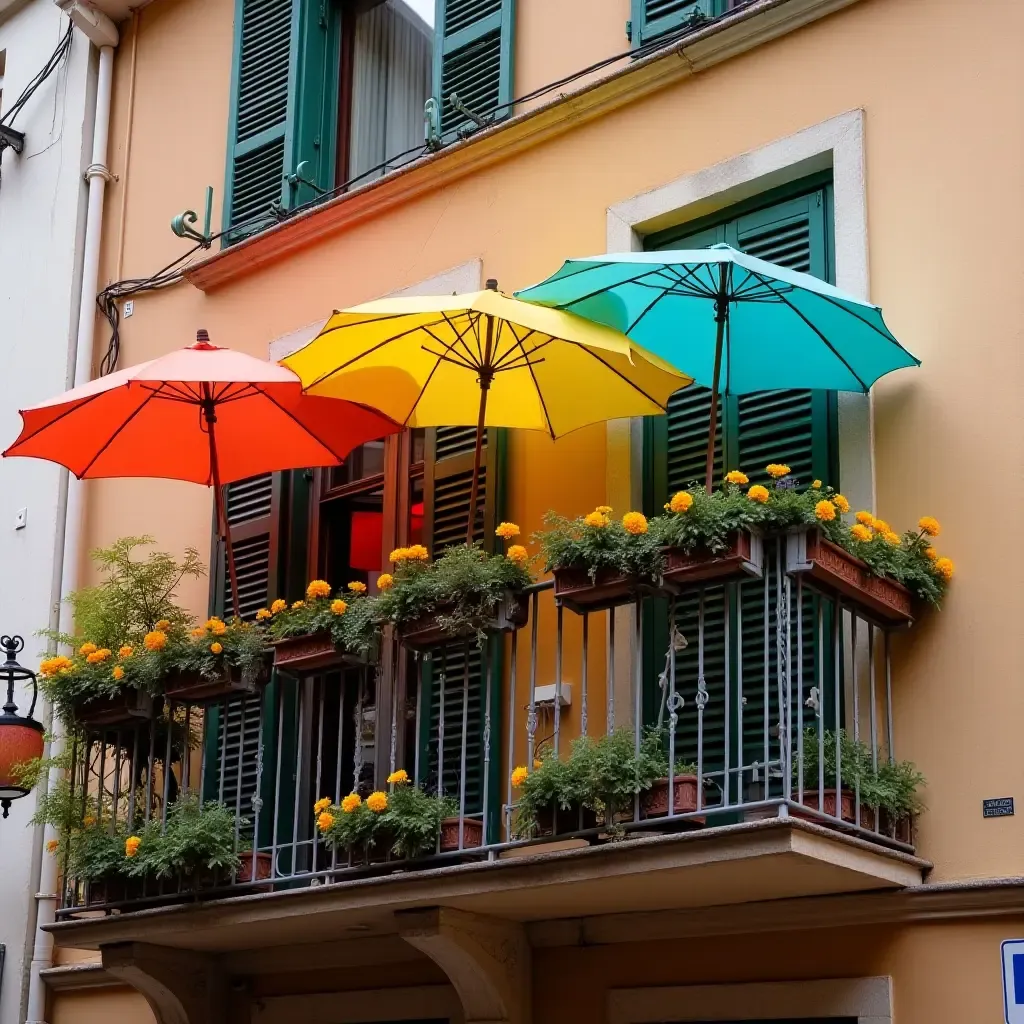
102,33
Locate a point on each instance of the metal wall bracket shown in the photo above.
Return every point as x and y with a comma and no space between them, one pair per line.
432,124
11,138
182,224
298,177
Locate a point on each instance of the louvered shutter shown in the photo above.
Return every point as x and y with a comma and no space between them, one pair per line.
795,427
653,18
448,477
473,50
283,108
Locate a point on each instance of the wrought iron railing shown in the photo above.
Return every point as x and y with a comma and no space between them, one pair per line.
762,689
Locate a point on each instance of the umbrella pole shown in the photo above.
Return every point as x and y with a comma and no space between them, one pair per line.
223,525
486,375
713,417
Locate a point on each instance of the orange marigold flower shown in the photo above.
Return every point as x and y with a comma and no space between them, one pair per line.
126,651
163,625
297,605
825,511
603,509
338,607
841,503
324,820
865,518
418,553
377,802
357,587
398,778
596,519
88,648
131,846
198,632
682,500
734,476
88,821
98,657
520,775
944,567
385,581
351,802
155,641
278,606
52,846
263,614
635,523
931,553
518,554
882,526
929,525
777,470
861,533
118,673
816,485
506,531
758,493
537,762
891,537
322,804
216,648
399,555
318,588
52,666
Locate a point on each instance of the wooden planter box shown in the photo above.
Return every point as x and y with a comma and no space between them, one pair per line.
743,558
193,688
472,834
575,589
511,613
654,801
316,652
569,820
836,570
129,707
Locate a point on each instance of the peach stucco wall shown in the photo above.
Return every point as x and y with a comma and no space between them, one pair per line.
942,94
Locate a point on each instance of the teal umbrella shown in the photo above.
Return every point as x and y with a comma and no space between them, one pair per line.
734,323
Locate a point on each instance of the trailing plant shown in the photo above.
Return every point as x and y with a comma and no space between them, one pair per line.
216,646
896,789
350,619
597,542
696,519
413,818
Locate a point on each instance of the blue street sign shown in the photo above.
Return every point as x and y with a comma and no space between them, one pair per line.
1013,981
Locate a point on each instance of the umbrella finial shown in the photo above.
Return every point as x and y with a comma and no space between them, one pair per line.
203,338
492,284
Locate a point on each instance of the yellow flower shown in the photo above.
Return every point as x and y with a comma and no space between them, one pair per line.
681,501
603,509
635,523
931,553
520,775
418,553
882,526
338,607
118,673
131,846
216,648
155,641
399,778
399,555
297,605
53,666
777,470
734,476
861,533
865,518
816,485
385,581
377,802
52,846
596,519
841,503
518,554
537,762
98,657
318,588
89,648
163,625
929,525
506,531
758,493
944,567
825,511
321,805
278,606
263,614
891,537
88,821
357,587
198,632
219,629
324,820
351,802
125,652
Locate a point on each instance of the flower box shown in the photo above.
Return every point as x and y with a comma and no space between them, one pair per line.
128,707
828,805
425,633
836,570
570,819
194,688
579,592
900,829
743,557
315,652
264,869
472,834
654,801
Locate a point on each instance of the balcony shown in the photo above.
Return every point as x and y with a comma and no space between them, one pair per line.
773,698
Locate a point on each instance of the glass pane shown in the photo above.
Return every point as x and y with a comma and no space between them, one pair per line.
352,539
419,444
392,62
365,461
416,511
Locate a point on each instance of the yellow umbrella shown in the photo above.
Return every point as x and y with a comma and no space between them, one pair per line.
483,359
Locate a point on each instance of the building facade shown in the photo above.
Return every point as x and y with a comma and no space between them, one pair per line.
837,137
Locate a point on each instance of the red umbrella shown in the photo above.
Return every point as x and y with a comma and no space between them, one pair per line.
205,414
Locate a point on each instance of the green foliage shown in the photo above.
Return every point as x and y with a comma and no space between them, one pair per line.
243,649
708,522
357,831
97,854
352,628
413,820
896,789
596,542
462,588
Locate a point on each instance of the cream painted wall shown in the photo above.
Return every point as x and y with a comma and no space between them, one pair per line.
100,1006
941,175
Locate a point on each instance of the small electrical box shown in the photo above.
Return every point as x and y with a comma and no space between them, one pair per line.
21,519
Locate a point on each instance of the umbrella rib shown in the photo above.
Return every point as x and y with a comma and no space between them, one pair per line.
506,361
307,429
423,389
601,291
110,440
536,384
56,419
867,323
865,387
460,336
619,373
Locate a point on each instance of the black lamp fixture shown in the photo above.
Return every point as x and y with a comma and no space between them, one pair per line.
21,737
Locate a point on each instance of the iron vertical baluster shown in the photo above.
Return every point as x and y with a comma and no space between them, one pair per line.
321,707
727,595
357,747
186,757
85,797
873,711
786,693
511,732
223,748
819,706
167,764
117,781
488,683
440,722
150,795
243,709
638,698
701,698
856,714
583,673
557,713
888,699
337,757
837,649
277,778
257,797
531,713
102,776
299,760
800,689
674,703
418,676
65,873
393,688
462,746
133,768
766,710
741,752
610,695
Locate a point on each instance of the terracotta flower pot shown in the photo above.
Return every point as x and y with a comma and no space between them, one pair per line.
472,834
128,707
314,652
264,869
654,801
900,829
568,820
578,591
744,558
828,804
425,633
194,688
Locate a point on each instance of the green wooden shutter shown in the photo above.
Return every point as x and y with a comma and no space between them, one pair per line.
795,427
284,93
448,477
653,18
473,51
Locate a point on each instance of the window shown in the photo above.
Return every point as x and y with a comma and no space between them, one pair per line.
653,18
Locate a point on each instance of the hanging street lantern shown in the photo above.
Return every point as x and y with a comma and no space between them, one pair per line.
21,738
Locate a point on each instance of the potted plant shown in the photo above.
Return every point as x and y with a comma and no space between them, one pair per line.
463,593
323,630
600,562
96,857
361,828
854,771
895,795
216,660
709,536
424,822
